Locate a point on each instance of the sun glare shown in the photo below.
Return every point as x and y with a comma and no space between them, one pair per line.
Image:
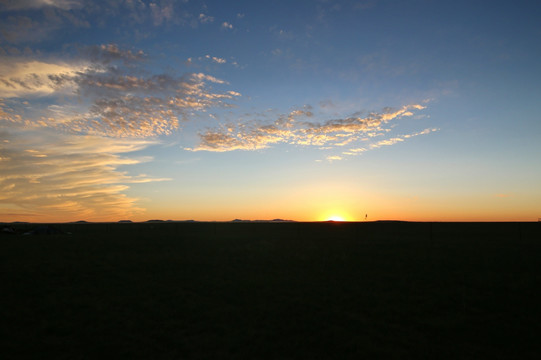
336,218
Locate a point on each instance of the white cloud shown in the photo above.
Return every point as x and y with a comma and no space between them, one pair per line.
20,77
332,158
296,129
216,59
226,25
391,141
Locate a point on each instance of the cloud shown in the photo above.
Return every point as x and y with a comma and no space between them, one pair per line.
161,14
142,107
296,129
332,158
113,99
204,19
16,29
32,26
388,142
216,59
30,21
20,77
108,53
54,176
226,25
39,4
205,59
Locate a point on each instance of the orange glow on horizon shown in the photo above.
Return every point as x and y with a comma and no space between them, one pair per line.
336,218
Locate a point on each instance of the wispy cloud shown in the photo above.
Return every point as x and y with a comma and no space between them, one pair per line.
332,158
227,26
385,142
107,53
42,19
161,12
216,59
196,61
30,21
55,176
67,127
204,19
39,4
119,100
18,29
296,128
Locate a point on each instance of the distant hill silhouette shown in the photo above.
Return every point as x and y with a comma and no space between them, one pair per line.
273,220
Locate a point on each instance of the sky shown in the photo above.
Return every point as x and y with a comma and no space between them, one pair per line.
416,110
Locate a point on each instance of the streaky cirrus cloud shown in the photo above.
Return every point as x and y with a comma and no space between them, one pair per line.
52,176
387,142
296,128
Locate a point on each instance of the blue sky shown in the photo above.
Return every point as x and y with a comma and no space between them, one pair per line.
215,110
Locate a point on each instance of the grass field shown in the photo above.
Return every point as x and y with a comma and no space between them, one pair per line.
273,291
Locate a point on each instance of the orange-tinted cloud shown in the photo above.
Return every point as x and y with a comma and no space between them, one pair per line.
296,129
112,97
57,177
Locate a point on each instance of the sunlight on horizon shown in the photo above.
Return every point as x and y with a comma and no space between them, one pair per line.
336,218
216,111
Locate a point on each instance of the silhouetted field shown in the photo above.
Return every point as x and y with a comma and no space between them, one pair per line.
272,291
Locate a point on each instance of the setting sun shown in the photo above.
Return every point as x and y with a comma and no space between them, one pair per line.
336,218
336,214
254,117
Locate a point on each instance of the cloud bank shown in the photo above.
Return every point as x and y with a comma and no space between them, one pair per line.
68,127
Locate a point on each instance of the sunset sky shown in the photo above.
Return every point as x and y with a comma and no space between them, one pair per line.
416,110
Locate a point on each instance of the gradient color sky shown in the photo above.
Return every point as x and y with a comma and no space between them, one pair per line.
214,110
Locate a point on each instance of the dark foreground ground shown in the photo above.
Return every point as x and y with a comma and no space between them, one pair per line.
272,291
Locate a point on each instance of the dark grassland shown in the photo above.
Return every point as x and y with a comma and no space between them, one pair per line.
273,291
